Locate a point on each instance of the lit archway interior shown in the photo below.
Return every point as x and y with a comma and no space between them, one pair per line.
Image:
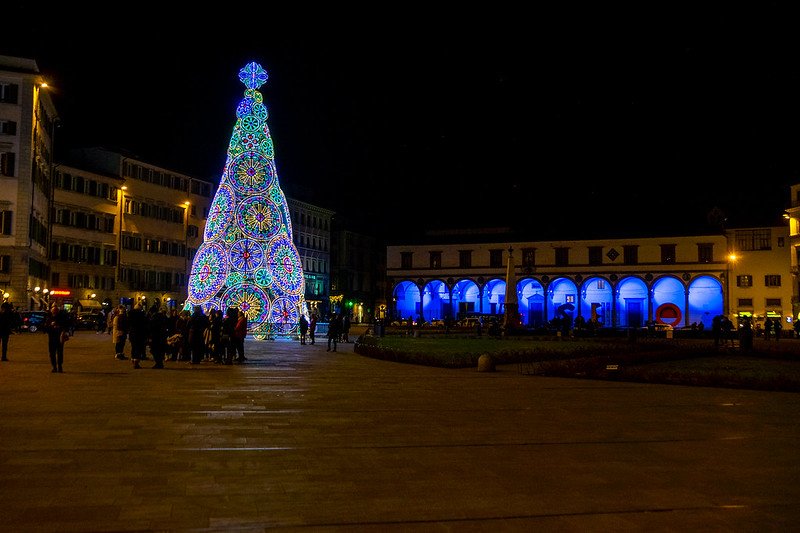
632,303
705,300
670,290
596,300
531,303
406,300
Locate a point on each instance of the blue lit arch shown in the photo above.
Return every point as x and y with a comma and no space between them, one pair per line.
561,293
705,300
406,297
435,300
466,298
597,299
669,290
531,302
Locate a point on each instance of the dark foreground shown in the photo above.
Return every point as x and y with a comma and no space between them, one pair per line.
303,439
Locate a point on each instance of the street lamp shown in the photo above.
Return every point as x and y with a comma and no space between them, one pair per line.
731,261
119,235
186,206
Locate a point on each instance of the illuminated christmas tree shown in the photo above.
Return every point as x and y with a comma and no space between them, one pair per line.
248,259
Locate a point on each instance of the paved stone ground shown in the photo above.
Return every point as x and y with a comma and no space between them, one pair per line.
302,439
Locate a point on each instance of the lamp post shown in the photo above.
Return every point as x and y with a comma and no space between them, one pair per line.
731,260
119,233
186,206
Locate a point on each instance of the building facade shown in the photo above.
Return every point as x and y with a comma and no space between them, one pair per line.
28,123
356,282
311,231
618,283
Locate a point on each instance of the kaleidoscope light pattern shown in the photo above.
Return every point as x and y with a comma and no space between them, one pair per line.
248,259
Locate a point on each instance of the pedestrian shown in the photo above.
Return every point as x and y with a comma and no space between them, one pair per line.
239,334
138,331
7,321
57,328
215,349
182,327
767,328
777,327
716,329
303,328
227,333
198,323
119,333
346,327
158,337
312,327
727,331
796,327
334,330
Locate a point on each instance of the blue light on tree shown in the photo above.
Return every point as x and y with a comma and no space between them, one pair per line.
247,259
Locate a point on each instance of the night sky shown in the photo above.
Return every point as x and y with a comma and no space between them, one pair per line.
563,123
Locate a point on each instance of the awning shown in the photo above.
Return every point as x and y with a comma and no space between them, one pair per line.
90,304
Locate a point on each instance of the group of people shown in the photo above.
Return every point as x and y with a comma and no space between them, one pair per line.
338,330
180,336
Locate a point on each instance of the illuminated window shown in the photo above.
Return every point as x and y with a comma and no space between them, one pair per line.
570,298
745,280
772,280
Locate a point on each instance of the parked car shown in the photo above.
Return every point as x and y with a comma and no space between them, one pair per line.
32,320
88,320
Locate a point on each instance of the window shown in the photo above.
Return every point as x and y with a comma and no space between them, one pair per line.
705,253
7,164
772,280
630,254
436,260
495,258
745,280
529,257
773,302
745,302
562,256
781,242
668,254
595,255
192,230
8,127
465,258
8,93
6,218
5,264
405,259
753,239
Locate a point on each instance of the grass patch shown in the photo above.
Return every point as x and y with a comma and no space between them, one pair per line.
770,366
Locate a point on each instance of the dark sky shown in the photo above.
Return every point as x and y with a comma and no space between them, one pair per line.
564,122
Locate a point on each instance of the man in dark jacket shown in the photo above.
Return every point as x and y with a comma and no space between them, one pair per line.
198,324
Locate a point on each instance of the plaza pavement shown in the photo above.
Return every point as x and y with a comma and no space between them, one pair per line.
300,439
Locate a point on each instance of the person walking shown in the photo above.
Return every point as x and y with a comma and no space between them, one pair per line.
303,327
119,332
7,320
312,327
239,334
57,328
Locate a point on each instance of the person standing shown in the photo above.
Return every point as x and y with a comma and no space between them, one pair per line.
777,327
312,327
57,328
138,330
158,337
239,334
6,325
346,327
303,327
228,332
119,332
334,330
198,323
216,350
